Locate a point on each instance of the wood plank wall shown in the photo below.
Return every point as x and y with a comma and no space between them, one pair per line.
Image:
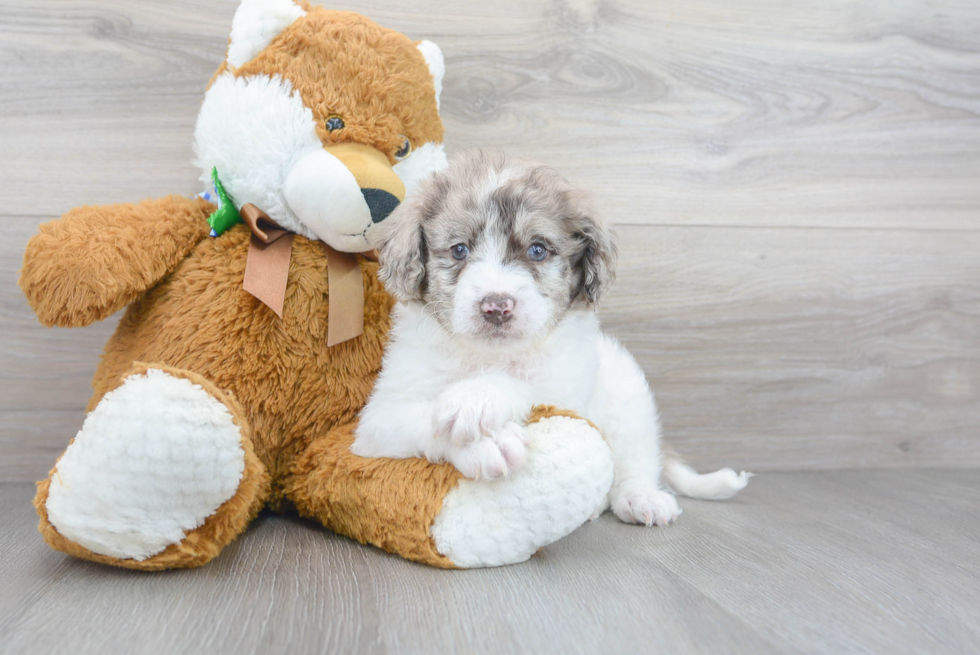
796,186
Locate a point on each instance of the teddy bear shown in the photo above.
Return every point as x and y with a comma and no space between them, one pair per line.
255,324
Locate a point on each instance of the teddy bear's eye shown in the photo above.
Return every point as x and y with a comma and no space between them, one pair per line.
334,123
405,150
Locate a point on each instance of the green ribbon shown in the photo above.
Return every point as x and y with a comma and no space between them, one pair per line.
226,215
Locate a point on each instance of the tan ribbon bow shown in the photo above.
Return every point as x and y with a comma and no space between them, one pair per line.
267,270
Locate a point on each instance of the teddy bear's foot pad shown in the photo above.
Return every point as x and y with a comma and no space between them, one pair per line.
568,473
153,460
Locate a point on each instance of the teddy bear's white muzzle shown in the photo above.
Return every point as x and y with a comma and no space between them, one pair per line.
327,199
340,193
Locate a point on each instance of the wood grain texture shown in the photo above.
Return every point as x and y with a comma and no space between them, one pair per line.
795,185
828,562
807,348
766,113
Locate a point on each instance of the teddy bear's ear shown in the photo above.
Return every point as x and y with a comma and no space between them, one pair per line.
255,24
437,65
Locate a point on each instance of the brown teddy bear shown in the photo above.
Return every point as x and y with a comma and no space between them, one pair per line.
255,325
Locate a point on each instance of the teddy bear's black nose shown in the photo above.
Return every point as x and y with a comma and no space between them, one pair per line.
380,202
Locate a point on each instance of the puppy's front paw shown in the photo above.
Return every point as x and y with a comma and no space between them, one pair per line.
646,506
480,460
511,440
468,411
491,457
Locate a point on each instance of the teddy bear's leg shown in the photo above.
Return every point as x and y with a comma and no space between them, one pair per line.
161,475
431,514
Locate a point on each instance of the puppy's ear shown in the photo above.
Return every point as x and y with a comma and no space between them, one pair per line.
402,251
599,253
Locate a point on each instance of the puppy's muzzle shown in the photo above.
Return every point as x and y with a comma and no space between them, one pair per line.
497,308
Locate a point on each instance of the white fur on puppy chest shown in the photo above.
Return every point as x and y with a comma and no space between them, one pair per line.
568,473
152,461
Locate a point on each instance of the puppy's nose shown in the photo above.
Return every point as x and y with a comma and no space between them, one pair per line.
497,308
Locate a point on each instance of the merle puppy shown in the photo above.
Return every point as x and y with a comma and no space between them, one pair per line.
497,265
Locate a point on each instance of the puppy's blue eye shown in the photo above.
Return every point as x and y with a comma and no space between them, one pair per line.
537,252
460,252
334,123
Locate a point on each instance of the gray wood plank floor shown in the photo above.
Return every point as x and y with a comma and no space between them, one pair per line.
819,562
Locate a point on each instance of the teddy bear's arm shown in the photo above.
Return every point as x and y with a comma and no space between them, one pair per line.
95,260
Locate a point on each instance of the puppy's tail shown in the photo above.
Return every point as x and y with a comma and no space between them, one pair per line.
720,485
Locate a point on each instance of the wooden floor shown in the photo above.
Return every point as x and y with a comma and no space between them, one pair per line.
819,562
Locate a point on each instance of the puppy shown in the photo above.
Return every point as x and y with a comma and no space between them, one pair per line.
497,265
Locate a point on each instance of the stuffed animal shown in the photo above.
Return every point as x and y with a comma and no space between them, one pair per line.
254,325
